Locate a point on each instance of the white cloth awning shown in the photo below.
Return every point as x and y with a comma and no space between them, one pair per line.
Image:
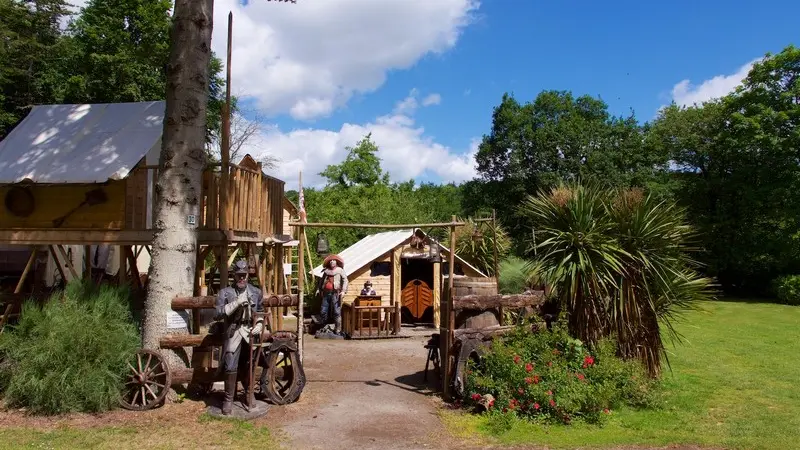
80,143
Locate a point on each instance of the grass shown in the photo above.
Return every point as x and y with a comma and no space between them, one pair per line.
734,384
205,432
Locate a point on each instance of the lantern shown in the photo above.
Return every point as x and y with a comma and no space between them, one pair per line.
433,251
323,249
477,236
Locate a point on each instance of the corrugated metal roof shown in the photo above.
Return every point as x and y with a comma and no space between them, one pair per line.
89,143
371,247
367,249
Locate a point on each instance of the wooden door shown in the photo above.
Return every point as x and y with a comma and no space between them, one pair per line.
417,296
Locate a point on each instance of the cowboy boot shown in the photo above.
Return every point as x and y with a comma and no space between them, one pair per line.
338,327
230,391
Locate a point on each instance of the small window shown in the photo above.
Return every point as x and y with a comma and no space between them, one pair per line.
457,271
380,269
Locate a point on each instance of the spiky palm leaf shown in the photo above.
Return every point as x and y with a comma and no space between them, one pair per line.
575,255
481,253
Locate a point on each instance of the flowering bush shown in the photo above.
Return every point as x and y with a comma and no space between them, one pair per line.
550,376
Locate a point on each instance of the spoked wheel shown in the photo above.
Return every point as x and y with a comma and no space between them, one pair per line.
284,379
148,381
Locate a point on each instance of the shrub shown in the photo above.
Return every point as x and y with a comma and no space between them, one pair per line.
551,377
70,354
787,289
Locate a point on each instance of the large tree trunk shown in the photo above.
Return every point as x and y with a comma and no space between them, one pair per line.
180,167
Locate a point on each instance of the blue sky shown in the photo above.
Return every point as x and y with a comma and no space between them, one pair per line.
631,54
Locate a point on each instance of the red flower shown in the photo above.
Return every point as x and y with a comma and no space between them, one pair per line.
580,376
536,379
607,411
513,403
528,367
529,380
550,364
552,402
517,359
490,404
550,393
521,391
536,406
588,360
476,397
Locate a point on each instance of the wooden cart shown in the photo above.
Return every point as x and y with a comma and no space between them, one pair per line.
275,354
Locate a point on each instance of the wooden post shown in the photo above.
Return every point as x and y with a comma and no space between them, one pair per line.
225,156
447,336
494,227
87,262
301,278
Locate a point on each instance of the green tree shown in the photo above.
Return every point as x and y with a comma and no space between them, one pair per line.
362,167
737,172
557,137
29,56
121,52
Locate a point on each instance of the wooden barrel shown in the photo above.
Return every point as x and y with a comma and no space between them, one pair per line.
474,286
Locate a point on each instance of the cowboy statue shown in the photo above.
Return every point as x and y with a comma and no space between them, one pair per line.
235,306
332,286
368,290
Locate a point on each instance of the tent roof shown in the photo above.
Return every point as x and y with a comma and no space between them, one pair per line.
88,143
373,246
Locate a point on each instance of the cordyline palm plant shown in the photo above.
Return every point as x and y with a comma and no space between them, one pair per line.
619,261
481,253
575,255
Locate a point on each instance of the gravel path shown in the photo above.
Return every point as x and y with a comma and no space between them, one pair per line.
364,394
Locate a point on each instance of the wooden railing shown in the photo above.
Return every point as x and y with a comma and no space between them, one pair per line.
255,200
371,321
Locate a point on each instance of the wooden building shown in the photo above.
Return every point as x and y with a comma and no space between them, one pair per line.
84,175
399,266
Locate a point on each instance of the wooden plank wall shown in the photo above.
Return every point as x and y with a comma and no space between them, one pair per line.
381,283
136,199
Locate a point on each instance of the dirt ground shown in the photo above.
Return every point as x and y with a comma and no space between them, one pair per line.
360,394
364,394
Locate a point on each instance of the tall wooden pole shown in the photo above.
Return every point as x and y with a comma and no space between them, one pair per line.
226,135
301,269
451,318
494,238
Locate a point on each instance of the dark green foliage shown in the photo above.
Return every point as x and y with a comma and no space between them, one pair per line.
787,289
549,376
70,354
619,263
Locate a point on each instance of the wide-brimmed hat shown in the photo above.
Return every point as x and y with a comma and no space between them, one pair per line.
338,259
241,266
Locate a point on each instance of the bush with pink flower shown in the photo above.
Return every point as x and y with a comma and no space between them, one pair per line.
552,377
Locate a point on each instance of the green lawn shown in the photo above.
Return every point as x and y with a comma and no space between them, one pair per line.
735,383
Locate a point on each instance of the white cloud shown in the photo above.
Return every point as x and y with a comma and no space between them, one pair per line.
432,99
309,58
687,94
405,151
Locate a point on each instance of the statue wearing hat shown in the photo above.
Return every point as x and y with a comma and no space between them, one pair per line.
332,285
235,306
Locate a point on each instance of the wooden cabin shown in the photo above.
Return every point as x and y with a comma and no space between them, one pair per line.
84,176
399,265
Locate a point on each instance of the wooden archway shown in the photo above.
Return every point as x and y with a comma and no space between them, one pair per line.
417,296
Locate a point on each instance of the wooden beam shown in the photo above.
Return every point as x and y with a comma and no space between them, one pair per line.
57,261
454,223
498,301
25,271
482,333
209,301
191,340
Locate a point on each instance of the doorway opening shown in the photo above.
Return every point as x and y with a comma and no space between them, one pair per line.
416,284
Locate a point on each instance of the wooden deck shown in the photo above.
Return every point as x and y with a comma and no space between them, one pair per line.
16,236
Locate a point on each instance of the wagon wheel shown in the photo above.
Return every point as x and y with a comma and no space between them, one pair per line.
471,349
284,379
147,383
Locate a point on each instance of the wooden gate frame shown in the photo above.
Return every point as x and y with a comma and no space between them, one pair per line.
446,344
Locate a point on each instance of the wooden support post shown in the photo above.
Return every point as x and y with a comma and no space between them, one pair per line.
87,262
223,265
301,277
57,262
447,336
